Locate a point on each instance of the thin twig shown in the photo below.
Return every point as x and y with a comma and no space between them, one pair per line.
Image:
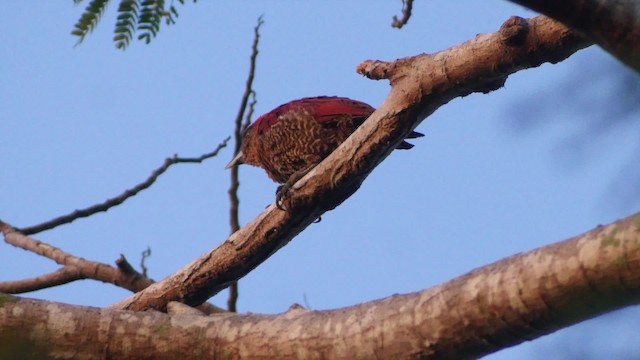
252,108
407,7
61,276
237,138
145,255
77,214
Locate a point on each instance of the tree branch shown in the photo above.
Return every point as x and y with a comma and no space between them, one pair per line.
420,85
611,24
500,305
234,201
75,268
61,276
66,219
407,7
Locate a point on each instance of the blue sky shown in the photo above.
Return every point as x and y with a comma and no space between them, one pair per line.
495,175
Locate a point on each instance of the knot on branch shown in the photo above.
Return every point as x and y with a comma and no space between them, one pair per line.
375,69
514,31
295,310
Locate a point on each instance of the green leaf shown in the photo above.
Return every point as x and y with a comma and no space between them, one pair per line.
90,18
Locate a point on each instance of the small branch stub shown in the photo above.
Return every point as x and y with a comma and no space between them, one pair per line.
514,31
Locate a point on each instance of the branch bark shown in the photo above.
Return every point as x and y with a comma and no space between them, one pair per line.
516,299
75,268
420,85
612,24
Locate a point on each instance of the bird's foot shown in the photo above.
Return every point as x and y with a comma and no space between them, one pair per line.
283,190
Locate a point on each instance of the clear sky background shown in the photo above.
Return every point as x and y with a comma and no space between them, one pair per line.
548,157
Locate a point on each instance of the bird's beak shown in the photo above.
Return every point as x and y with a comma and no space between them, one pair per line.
237,160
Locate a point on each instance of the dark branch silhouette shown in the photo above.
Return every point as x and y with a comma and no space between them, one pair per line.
66,219
143,258
237,138
407,7
126,267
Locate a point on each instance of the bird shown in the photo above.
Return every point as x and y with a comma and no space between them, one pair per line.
293,138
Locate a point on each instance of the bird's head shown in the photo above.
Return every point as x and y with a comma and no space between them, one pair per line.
244,155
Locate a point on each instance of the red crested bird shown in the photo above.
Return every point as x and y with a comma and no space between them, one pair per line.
290,140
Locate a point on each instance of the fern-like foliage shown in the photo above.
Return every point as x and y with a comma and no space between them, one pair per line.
142,16
126,24
149,20
89,18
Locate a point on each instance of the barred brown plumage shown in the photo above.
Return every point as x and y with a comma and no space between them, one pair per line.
290,140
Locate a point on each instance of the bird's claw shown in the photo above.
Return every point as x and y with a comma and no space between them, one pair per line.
281,192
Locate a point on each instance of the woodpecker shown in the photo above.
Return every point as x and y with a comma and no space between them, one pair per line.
290,140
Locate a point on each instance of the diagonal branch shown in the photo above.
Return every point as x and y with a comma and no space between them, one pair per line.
82,213
420,85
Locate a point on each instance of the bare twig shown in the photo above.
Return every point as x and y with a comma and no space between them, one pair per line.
252,108
124,266
76,268
66,219
61,276
237,138
145,255
407,7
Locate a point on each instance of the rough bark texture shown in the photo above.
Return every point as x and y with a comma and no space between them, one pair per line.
500,305
612,24
420,85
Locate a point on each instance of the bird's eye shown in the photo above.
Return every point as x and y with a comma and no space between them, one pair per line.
244,130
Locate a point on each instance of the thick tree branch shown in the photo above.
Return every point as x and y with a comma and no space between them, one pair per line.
612,24
108,204
419,86
500,305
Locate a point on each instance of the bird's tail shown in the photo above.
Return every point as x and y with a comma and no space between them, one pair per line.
412,135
